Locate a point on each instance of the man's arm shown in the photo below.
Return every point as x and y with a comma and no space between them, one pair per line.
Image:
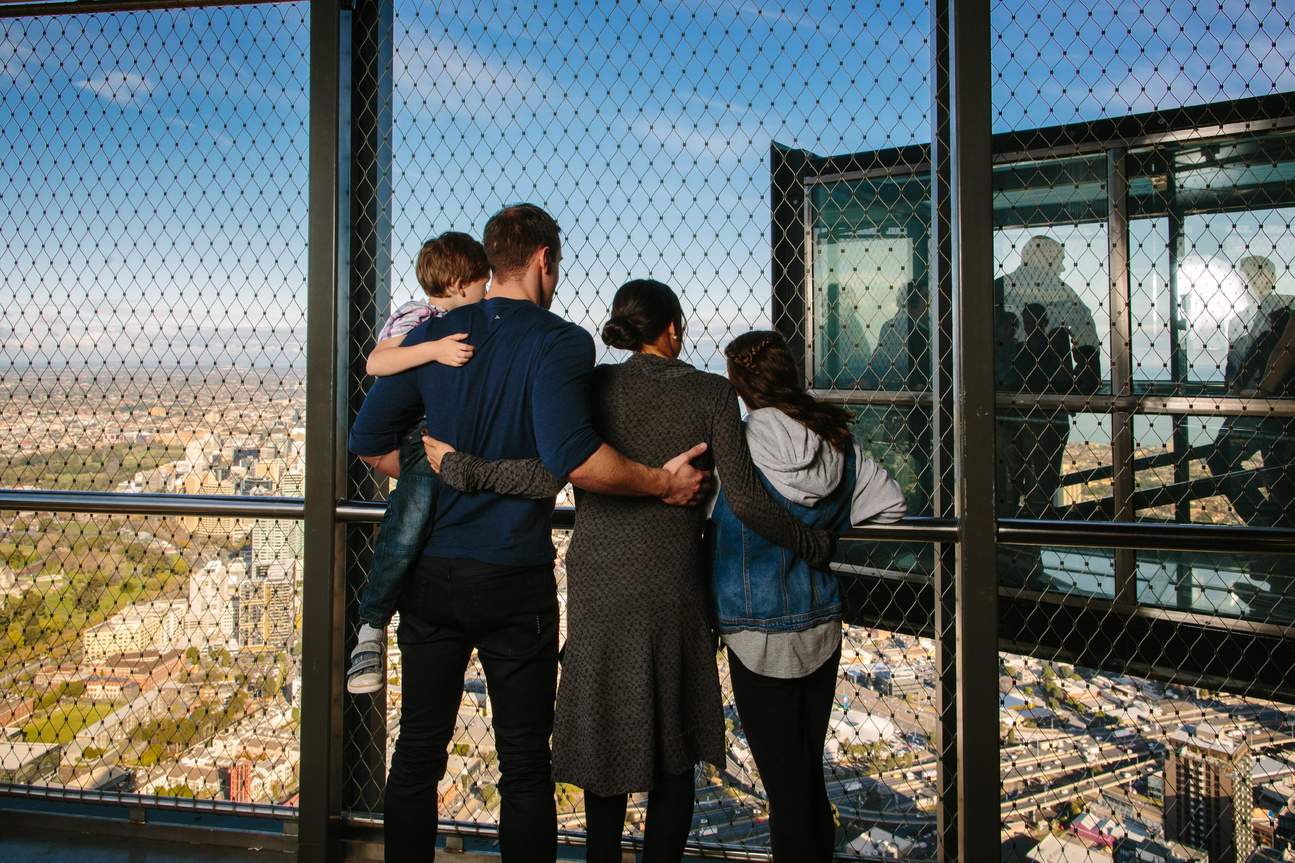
568,444
677,482
392,405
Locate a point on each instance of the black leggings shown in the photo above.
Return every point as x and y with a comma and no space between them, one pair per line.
785,721
669,817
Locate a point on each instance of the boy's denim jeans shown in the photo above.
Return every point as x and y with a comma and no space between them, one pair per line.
401,535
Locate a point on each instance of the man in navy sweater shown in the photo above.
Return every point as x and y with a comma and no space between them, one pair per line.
486,577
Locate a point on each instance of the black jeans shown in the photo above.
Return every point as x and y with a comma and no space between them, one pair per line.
785,721
510,615
669,818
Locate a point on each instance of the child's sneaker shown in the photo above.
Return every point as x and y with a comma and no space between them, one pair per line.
368,662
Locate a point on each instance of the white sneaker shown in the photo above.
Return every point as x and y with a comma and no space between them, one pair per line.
368,667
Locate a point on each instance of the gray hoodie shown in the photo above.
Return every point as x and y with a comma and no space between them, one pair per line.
805,468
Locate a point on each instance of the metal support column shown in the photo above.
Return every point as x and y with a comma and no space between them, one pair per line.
1122,479
365,717
1178,374
790,307
976,578
326,326
943,466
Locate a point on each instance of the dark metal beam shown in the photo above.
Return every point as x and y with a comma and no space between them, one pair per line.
1121,341
976,578
90,7
789,311
942,614
326,418
372,38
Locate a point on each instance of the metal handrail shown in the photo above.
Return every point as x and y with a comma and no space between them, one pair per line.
1147,535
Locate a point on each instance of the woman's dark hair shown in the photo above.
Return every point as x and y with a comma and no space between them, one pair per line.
764,374
641,312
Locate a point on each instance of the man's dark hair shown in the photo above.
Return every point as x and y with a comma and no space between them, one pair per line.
514,234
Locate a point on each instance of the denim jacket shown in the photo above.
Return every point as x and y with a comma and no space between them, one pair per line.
756,585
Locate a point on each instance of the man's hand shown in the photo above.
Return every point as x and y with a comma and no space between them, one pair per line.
435,450
687,485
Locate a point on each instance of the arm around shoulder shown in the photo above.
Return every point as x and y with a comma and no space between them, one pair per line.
747,496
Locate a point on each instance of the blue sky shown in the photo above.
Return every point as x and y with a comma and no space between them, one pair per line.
153,183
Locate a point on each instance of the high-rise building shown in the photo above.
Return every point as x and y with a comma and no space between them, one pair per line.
266,607
212,619
275,540
1208,798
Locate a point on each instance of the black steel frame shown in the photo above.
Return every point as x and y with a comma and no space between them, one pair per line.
963,607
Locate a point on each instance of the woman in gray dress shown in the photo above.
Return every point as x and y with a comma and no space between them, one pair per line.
639,703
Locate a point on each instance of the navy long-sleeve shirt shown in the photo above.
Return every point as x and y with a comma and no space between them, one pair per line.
524,394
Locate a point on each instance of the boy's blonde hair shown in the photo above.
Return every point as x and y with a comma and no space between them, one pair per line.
451,259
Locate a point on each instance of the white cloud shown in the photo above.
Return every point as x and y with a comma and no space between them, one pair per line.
454,77
121,88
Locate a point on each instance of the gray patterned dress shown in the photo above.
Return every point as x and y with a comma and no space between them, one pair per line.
640,690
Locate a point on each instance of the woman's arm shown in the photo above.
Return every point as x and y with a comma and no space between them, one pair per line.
525,477
469,473
747,496
389,357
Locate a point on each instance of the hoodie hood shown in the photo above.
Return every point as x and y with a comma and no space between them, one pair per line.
800,464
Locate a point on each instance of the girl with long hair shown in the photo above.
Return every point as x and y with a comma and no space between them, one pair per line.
779,615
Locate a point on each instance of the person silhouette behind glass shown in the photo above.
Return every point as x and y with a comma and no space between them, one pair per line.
1254,321
1250,341
1038,280
1268,371
1044,364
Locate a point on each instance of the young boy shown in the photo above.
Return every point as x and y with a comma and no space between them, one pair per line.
452,270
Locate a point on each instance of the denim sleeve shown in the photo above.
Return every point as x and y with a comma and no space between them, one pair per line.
391,407
564,431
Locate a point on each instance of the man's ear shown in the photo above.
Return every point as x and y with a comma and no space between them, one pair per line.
546,260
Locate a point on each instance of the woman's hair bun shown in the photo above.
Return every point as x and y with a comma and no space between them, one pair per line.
620,332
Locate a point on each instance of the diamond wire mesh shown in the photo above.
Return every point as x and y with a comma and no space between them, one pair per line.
658,167
153,240
1099,763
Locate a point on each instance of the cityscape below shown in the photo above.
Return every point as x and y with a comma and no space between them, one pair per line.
161,656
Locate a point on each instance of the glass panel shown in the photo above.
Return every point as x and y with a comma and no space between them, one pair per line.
1256,587
871,326
1151,304
1053,285
1225,275
899,439
1235,293
1215,470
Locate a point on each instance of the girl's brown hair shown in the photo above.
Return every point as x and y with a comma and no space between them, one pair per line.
765,375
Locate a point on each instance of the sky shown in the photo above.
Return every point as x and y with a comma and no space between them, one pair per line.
153,174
